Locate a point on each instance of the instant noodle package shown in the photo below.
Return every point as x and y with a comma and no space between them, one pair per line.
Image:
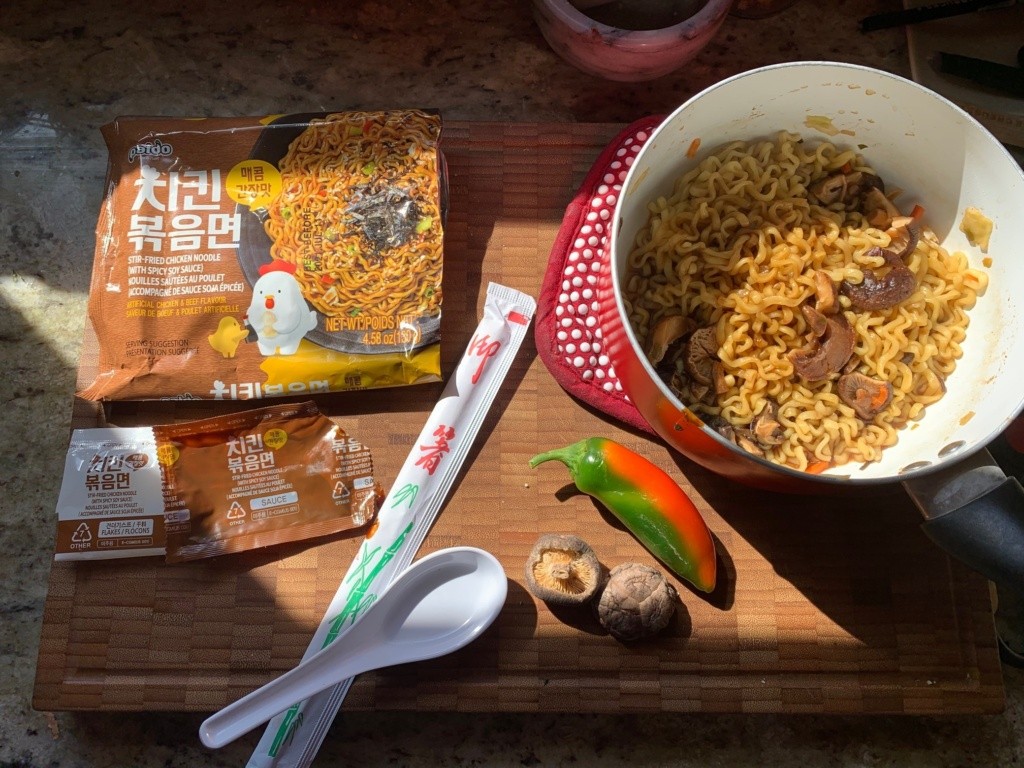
245,258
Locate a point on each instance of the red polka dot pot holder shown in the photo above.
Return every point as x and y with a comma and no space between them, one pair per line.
568,330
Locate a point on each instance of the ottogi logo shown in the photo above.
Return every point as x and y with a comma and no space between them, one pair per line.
155,149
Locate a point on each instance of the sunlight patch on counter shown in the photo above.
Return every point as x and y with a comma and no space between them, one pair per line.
55,314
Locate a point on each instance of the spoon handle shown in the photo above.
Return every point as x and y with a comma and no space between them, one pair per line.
311,676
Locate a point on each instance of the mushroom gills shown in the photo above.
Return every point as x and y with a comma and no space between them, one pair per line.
867,396
563,569
700,354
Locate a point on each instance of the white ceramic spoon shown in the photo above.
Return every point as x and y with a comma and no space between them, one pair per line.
436,606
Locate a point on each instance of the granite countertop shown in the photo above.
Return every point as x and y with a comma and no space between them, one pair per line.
70,67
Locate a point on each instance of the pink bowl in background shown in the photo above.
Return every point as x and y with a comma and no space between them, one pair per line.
625,54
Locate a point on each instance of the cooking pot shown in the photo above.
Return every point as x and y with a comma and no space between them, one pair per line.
944,160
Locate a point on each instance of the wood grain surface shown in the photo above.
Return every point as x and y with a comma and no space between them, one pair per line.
836,605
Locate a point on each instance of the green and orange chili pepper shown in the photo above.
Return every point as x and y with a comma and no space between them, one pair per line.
647,501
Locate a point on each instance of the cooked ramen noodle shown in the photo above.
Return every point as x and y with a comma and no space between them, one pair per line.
786,299
359,213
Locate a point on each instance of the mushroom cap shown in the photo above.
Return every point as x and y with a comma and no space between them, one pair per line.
827,356
637,602
899,284
816,322
562,569
824,293
766,427
830,189
669,330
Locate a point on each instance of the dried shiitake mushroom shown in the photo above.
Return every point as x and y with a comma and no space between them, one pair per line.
637,602
563,570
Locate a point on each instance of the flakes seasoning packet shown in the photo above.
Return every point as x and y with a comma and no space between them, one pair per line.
245,258
197,489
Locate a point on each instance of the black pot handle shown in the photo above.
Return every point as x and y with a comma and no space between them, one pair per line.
976,513
987,533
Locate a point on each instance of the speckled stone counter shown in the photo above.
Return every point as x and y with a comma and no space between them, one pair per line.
70,67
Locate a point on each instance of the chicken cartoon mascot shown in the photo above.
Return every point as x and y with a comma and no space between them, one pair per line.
278,313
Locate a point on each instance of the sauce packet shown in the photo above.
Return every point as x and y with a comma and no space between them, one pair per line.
244,258
261,477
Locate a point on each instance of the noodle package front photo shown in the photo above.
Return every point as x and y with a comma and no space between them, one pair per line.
244,258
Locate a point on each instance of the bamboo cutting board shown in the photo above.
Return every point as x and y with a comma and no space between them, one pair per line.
836,605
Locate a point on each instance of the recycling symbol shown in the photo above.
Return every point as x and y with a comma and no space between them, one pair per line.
236,512
341,491
82,534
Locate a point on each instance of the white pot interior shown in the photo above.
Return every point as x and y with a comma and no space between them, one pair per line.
916,141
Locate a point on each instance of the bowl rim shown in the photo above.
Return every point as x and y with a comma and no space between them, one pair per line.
665,392
710,13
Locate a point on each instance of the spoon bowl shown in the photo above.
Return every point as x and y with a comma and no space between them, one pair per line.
436,606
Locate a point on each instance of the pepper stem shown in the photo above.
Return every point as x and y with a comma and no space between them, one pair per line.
570,455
